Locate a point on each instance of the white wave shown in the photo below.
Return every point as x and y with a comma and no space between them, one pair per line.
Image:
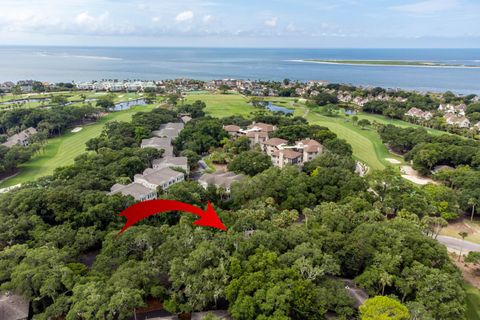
65,55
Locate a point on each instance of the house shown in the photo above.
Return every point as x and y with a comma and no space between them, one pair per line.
458,121
271,145
283,157
220,180
21,138
171,162
159,144
26,85
186,119
232,130
13,307
311,149
257,137
169,130
455,109
263,127
85,86
218,314
138,191
164,178
419,114
7,86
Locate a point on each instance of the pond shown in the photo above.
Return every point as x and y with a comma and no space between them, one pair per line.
275,108
125,105
23,101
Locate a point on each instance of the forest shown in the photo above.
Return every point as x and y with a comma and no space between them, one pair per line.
293,234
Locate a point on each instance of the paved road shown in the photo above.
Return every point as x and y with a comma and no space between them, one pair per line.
456,244
355,292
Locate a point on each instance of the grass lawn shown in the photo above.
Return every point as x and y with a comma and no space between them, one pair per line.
465,225
223,105
396,122
61,151
366,144
473,303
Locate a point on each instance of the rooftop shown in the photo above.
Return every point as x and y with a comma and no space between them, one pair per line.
135,190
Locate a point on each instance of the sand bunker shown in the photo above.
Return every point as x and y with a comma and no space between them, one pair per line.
393,161
412,175
77,129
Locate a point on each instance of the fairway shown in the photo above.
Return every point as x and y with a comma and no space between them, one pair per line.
366,144
473,303
61,151
223,105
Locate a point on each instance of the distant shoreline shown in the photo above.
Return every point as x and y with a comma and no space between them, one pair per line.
389,63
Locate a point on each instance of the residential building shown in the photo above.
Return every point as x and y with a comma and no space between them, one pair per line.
283,157
13,307
220,180
7,86
263,127
311,149
26,85
217,314
163,178
232,130
419,114
21,138
169,130
458,121
455,109
271,145
159,144
171,162
85,86
137,190
186,119
257,137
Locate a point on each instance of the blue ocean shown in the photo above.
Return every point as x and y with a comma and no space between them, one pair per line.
56,64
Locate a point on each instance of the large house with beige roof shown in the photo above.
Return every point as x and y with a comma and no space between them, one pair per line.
21,138
220,180
419,114
303,151
257,132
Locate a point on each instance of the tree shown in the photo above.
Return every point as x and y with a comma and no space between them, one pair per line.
383,308
364,123
472,202
224,88
250,163
106,102
355,119
462,234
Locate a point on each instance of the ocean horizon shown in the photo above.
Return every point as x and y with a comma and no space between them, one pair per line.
75,63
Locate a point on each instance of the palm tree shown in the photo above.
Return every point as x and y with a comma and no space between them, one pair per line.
462,234
472,202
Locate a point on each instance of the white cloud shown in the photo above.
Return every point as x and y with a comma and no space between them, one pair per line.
291,27
185,16
156,19
207,18
272,22
427,6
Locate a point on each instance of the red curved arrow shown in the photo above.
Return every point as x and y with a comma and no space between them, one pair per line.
142,210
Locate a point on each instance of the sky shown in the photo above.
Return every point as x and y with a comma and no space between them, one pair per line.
242,23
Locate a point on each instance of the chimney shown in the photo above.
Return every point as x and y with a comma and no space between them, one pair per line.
305,155
256,137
